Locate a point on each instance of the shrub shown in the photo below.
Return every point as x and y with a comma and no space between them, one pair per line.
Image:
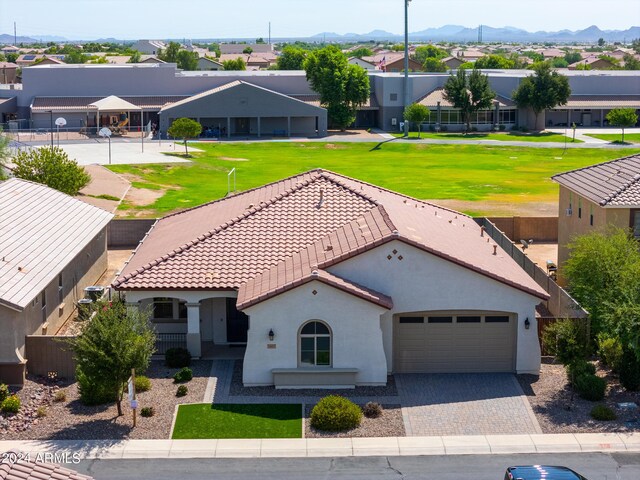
610,350
177,358
591,387
335,414
92,392
502,127
142,384
60,396
579,368
41,412
630,370
11,404
147,412
474,129
603,413
567,340
182,391
444,128
4,392
184,375
372,410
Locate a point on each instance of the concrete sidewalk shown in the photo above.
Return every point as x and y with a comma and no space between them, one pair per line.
332,447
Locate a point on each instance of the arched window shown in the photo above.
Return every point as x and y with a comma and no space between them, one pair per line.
315,345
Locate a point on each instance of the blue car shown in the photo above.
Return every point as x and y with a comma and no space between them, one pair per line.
541,472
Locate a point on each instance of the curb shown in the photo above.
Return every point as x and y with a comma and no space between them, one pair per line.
333,447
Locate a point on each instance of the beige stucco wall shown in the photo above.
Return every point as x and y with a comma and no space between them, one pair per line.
571,226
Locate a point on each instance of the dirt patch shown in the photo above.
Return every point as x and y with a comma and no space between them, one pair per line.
143,196
71,420
232,159
558,411
389,424
331,146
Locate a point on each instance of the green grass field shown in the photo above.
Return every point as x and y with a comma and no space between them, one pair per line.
238,421
616,137
476,173
503,137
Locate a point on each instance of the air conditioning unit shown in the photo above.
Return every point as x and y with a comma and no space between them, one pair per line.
569,212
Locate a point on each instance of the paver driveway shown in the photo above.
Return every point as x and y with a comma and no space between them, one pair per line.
464,404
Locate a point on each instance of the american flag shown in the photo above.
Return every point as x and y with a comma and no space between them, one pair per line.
383,64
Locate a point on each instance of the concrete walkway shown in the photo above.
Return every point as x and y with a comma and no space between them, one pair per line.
331,447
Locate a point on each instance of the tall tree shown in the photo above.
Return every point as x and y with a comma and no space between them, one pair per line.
543,90
110,345
291,58
362,52
630,62
495,62
185,128
342,87
188,60
429,51
623,118
469,93
136,57
170,54
433,64
417,114
52,167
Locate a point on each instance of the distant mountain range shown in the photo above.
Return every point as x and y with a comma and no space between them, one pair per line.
449,33
459,33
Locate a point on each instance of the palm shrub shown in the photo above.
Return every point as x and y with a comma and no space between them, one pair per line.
335,414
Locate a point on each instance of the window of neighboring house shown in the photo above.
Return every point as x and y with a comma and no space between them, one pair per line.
43,301
579,208
60,289
393,97
163,308
635,223
315,345
591,215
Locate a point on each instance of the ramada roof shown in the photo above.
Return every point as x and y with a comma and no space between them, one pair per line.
432,98
610,184
272,238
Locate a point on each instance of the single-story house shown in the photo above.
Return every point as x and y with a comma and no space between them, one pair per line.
29,59
235,48
592,197
52,246
150,47
330,281
593,63
452,62
205,63
362,63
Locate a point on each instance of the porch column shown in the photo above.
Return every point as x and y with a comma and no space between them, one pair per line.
193,329
228,127
258,127
288,126
602,117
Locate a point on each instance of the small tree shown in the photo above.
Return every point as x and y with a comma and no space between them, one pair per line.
623,118
185,128
237,64
417,114
136,57
170,54
469,93
544,90
247,51
434,65
111,344
291,58
601,42
52,167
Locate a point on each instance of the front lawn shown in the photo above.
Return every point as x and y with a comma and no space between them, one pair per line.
480,175
204,420
617,137
503,137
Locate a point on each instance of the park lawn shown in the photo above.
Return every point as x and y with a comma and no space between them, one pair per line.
476,173
204,420
503,137
616,137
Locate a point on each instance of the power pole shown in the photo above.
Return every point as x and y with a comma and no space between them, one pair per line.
15,36
407,94
269,33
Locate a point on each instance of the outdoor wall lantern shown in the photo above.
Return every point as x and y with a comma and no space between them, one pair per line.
273,335
527,323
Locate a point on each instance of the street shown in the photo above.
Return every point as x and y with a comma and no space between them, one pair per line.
596,466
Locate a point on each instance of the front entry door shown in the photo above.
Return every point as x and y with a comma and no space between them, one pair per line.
237,323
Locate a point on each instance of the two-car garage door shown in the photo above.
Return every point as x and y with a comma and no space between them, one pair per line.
454,342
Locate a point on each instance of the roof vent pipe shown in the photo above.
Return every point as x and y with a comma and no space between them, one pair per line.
321,198
495,249
482,231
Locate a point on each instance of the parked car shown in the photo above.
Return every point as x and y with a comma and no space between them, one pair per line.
541,472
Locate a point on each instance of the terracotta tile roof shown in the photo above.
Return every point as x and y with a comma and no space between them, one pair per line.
610,184
75,104
432,98
29,470
289,226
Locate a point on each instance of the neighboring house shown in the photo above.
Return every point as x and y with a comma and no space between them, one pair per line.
150,47
397,65
331,281
51,247
29,59
205,63
594,63
595,196
362,63
8,72
9,49
237,48
452,62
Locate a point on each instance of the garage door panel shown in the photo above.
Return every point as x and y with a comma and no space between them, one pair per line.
467,346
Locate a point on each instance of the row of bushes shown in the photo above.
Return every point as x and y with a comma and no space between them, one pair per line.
336,414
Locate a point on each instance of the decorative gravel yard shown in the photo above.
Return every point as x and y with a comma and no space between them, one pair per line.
238,421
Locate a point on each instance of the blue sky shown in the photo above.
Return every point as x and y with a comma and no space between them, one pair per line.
132,19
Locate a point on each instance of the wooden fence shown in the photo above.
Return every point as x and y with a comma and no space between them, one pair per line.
49,355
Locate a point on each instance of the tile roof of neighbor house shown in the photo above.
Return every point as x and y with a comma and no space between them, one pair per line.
74,104
41,231
289,225
432,98
30,470
610,184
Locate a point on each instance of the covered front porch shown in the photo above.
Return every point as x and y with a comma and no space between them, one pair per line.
208,324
